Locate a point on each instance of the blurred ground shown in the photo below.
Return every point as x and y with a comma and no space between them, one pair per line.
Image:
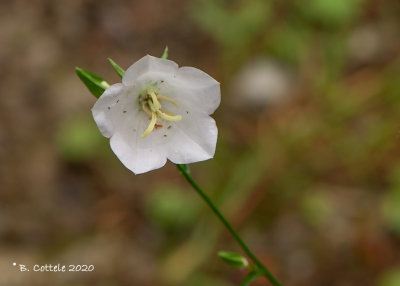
307,163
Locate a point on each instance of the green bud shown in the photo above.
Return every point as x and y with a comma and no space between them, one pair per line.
233,259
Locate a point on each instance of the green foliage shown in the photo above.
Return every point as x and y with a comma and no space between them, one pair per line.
232,27
78,139
317,208
201,280
390,278
171,207
391,203
288,42
233,259
94,83
330,12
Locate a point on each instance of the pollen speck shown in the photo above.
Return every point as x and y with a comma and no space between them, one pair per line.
157,126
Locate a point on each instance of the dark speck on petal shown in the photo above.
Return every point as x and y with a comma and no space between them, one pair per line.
108,108
124,111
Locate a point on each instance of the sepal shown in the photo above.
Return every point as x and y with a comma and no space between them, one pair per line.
120,71
94,83
165,53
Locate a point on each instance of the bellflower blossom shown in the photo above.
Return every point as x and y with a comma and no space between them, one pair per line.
159,112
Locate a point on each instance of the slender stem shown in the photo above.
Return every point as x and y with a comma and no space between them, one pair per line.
184,172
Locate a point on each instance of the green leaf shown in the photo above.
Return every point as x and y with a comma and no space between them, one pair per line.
94,83
120,71
165,53
233,259
252,276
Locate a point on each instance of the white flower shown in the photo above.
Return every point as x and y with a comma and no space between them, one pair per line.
159,112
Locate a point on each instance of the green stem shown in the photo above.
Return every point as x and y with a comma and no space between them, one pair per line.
185,173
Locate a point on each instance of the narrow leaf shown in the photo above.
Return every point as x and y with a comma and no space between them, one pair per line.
94,83
252,276
233,259
120,71
165,53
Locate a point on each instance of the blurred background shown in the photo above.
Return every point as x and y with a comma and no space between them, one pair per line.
307,163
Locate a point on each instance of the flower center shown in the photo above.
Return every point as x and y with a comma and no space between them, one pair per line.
151,105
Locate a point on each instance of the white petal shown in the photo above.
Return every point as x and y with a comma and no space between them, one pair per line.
148,64
137,160
193,139
138,154
102,112
203,90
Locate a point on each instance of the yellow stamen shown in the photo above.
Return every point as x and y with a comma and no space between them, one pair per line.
157,104
152,106
159,96
145,109
151,125
169,117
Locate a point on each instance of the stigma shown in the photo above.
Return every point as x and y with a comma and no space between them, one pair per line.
151,105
